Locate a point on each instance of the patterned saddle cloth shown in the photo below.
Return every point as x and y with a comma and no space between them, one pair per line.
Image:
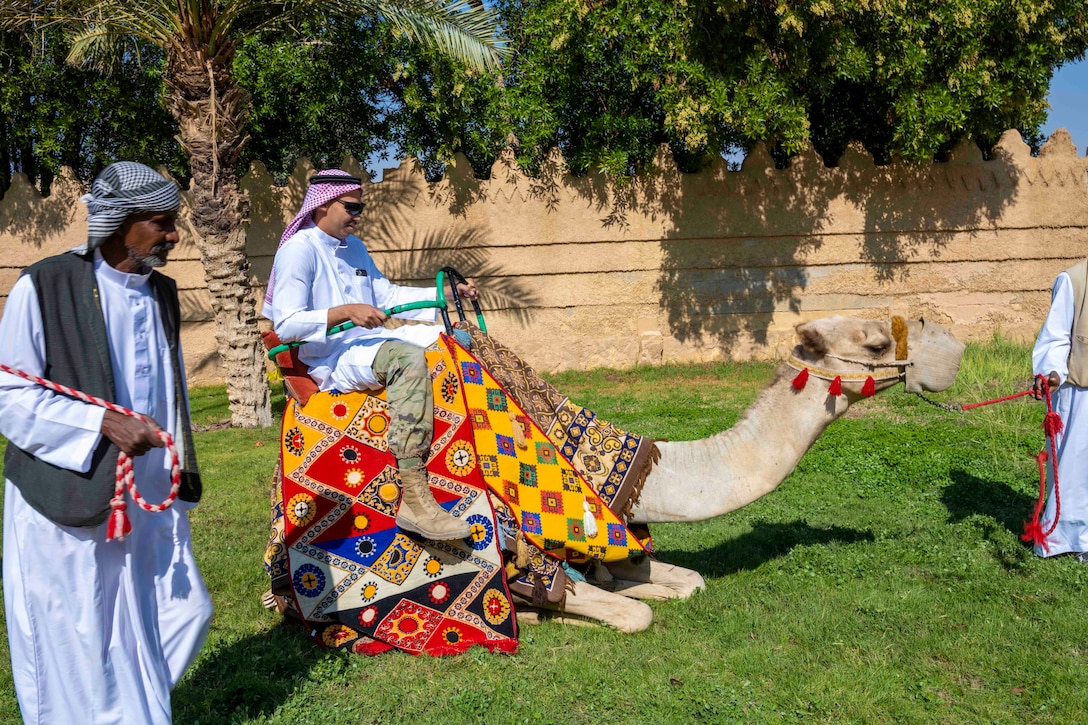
526,477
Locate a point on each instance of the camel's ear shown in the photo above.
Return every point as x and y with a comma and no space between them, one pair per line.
811,337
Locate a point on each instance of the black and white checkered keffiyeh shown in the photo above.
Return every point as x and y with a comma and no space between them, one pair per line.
121,190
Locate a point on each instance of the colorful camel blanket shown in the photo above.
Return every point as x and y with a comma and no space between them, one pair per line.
614,462
362,584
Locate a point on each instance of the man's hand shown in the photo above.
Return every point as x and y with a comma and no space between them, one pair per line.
1053,381
362,315
130,435
467,289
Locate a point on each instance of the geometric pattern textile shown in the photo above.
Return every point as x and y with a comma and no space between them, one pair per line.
548,497
614,462
356,579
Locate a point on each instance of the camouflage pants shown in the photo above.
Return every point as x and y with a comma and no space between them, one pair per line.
402,368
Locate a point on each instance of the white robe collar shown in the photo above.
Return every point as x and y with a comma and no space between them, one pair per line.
125,280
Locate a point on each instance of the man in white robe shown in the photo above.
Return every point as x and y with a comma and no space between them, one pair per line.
324,276
100,631
1050,358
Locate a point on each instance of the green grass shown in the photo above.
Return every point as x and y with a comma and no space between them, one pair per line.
884,581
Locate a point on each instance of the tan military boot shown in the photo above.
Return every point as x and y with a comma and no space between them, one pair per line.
420,513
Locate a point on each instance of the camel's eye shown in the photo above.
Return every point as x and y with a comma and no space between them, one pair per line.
878,349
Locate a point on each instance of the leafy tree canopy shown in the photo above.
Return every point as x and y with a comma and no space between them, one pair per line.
358,89
54,115
604,81
608,81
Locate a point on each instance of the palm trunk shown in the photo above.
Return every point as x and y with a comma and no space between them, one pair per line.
211,109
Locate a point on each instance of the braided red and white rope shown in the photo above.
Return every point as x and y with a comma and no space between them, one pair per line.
119,525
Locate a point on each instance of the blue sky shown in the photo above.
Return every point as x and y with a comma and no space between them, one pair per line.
1069,103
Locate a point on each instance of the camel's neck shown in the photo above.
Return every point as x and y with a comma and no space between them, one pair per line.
701,479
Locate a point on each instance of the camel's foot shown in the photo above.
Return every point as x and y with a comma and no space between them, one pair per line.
590,603
649,580
274,602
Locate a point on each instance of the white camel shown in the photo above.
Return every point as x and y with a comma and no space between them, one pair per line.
697,480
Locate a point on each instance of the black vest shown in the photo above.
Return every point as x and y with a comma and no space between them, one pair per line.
77,355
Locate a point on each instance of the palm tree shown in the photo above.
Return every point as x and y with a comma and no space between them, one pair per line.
199,38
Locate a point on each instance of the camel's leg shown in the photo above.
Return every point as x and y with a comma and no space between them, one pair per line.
626,615
649,580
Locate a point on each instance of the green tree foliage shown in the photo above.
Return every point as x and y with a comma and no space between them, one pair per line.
360,88
607,81
322,99
54,115
199,40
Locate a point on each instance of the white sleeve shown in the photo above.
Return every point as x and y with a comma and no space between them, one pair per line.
296,269
1051,352
389,295
58,429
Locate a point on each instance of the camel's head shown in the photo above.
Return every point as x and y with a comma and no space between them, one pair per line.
923,354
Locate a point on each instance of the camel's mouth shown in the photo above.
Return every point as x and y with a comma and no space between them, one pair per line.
936,357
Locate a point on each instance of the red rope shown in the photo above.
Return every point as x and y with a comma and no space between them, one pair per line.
119,525
1052,425
1014,396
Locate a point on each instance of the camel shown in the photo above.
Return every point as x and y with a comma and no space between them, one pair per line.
702,479
839,361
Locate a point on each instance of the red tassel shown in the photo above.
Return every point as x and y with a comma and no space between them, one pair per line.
836,387
869,388
1033,534
801,379
119,526
1052,424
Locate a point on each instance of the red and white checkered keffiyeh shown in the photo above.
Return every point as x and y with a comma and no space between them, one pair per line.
316,195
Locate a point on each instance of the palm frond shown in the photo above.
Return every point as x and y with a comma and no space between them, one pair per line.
468,32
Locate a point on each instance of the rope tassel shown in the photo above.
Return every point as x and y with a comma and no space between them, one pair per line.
800,380
119,526
1033,528
589,521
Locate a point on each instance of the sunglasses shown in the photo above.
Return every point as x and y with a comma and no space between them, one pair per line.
355,208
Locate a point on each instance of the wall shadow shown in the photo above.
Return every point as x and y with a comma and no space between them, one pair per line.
769,234
464,248
766,541
34,219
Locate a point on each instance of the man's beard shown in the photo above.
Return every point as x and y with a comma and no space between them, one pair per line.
155,258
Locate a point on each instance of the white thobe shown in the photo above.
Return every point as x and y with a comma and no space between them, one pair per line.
99,631
315,271
1051,353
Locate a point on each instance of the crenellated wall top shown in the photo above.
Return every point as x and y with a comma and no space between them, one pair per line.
856,195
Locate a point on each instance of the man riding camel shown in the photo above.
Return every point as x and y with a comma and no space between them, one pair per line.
323,276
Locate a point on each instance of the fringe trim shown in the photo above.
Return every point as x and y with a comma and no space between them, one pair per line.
653,455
